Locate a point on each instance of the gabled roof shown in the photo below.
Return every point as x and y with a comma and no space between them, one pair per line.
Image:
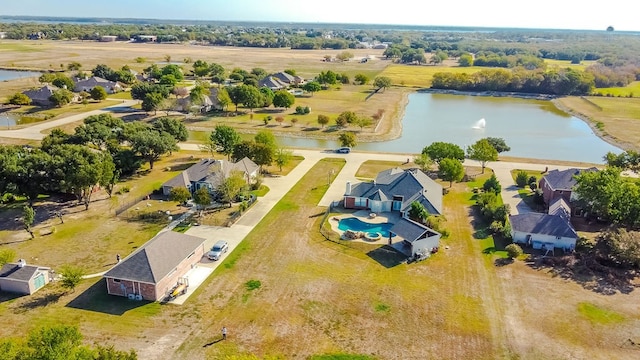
95,81
561,208
411,231
157,258
15,272
196,172
411,185
564,180
285,77
543,224
272,83
42,93
245,165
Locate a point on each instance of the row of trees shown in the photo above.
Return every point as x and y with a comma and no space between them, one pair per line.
556,82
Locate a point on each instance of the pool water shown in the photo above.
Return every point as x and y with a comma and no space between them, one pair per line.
356,224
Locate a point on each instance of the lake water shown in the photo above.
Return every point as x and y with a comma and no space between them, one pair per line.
13,74
532,128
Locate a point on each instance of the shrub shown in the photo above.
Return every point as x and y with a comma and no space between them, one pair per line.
496,227
280,119
513,250
294,121
253,285
492,185
521,178
123,190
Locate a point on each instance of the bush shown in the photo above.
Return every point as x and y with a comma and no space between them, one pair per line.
496,227
123,190
492,185
513,250
253,285
521,179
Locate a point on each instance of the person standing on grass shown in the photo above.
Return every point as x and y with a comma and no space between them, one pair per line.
224,333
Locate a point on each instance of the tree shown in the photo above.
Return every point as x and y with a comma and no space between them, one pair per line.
74,66
71,276
151,145
223,99
622,247
344,56
283,157
201,68
513,250
267,96
441,150
499,144
323,120
418,212
103,71
521,178
382,82
251,96
465,60
216,70
361,79
283,98
173,126
180,194
492,185
6,256
19,99
347,139
260,73
140,91
174,70
63,82
61,97
262,154
266,138
423,161
168,80
28,217
363,121
312,87
202,197
47,78
225,138
152,102
26,171
232,186
483,152
98,93
451,170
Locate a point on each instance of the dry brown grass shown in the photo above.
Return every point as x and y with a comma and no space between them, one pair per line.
620,117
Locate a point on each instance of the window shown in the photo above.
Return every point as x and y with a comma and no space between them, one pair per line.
116,280
360,202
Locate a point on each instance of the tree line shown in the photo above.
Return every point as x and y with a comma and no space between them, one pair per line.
99,152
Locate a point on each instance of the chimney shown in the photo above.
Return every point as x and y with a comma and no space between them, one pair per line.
21,263
348,190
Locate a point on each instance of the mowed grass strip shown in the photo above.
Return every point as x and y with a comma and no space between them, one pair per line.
631,90
599,315
421,75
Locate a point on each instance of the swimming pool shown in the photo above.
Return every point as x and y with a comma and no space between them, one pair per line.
356,224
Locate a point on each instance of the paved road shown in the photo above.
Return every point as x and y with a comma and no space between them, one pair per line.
34,132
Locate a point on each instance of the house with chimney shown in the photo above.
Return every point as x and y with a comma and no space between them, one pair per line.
88,84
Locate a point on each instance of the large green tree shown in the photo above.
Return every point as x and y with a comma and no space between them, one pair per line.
151,145
61,97
283,99
19,99
232,186
152,102
283,157
499,144
442,150
451,170
98,93
312,87
483,152
382,82
28,217
225,138
347,139
173,126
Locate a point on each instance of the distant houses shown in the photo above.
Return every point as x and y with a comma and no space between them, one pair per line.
281,80
40,96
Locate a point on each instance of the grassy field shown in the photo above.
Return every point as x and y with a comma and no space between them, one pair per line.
631,90
420,76
617,119
551,63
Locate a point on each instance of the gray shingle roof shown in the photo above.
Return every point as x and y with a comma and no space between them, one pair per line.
196,172
272,83
410,230
208,170
564,180
156,258
544,224
41,94
14,272
411,185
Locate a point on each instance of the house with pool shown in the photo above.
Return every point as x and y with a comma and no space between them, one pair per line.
394,190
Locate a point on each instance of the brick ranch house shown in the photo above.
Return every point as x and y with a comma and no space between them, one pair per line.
151,271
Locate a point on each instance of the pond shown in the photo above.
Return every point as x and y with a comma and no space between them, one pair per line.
532,128
14,74
8,120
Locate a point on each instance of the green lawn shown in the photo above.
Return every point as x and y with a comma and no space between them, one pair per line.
48,113
421,75
124,95
631,90
525,193
599,315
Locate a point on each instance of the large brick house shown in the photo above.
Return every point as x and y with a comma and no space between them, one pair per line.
559,184
153,270
395,190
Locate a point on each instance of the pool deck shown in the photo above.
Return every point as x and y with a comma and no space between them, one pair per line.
364,215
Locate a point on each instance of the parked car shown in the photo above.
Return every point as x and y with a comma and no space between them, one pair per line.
217,250
343,150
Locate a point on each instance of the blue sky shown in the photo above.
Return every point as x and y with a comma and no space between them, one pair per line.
557,14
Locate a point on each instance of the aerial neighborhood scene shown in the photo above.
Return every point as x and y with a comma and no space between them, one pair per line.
205,179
